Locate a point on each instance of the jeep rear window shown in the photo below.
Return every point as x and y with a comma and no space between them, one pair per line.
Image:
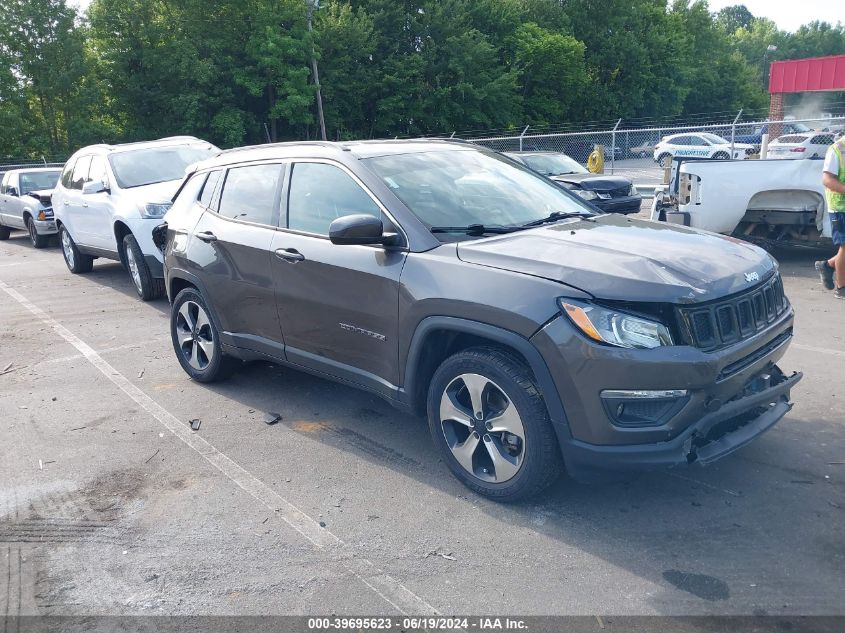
471,187
139,167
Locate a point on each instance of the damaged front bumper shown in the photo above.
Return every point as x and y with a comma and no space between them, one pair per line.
718,433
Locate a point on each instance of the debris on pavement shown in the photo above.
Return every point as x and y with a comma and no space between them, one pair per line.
141,374
322,524
195,424
151,456
79,428
271,417
437,552
40,465
7,367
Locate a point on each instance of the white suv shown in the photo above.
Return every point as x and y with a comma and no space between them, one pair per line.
110,197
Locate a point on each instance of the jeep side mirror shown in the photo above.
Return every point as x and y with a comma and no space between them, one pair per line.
357,229
93,186
12,192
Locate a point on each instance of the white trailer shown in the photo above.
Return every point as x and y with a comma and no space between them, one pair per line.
769,202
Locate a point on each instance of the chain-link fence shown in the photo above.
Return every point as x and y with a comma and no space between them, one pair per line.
631,151
7,164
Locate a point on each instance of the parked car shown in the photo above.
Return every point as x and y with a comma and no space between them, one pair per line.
612,194
755,139
25,203
454,282
110,197
804,145
701,145
644,148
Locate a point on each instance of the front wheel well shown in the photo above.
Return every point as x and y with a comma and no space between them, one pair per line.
177,285
120,232
439,345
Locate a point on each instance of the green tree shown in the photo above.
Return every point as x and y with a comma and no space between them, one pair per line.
552,73
734,17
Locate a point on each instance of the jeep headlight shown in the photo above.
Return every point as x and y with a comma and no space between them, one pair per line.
155,210
586,194
615,328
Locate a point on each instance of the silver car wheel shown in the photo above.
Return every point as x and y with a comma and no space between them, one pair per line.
33,233
67,247
482,428
133,268
194,335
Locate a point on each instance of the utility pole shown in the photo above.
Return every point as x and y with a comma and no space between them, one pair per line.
311,6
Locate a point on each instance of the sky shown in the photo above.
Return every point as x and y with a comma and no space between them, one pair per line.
789,14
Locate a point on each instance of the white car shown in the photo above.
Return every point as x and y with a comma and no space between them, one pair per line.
110,197
25,203
699,145
805,145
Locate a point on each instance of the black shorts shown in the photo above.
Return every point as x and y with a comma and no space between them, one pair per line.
837,226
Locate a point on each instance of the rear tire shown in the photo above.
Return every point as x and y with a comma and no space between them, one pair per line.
77,263
147,286
5,232
196,339
511,451
38,241
664,159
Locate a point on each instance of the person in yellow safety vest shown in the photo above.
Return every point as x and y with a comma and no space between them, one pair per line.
833,179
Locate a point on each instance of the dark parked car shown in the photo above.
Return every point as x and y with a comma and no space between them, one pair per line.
454,282
612,194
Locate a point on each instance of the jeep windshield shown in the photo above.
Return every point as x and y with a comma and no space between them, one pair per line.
139,167
469,188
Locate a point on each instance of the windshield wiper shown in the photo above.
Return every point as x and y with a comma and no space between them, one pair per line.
554,216
477,229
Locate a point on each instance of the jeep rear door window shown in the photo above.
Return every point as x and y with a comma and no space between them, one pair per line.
250,194
139,167
209,187
321,193
460,188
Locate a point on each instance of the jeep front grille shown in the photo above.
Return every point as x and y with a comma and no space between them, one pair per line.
724,322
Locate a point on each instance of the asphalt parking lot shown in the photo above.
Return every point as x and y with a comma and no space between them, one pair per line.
111,504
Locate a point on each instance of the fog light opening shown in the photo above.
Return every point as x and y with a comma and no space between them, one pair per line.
643,408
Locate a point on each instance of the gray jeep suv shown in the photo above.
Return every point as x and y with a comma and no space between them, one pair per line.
455,282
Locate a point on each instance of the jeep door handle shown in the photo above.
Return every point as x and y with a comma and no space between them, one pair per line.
290,255
207,236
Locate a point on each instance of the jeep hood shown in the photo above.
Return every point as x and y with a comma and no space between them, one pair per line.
616,258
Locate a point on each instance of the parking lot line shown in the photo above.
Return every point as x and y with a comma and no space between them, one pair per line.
385,586
818,350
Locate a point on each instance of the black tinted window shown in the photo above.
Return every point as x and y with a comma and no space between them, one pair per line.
80,172
249,193
208,188
321,193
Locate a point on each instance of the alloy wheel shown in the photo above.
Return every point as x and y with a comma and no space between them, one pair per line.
194,335
482,428
133,268
67,248
33,234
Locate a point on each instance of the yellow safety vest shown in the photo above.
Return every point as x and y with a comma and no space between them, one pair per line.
836,200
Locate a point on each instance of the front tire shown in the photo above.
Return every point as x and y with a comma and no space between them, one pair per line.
196,339
147,286
488,419
77,263
664,159
38,241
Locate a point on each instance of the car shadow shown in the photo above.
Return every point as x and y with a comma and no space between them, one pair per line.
112,275
698,536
